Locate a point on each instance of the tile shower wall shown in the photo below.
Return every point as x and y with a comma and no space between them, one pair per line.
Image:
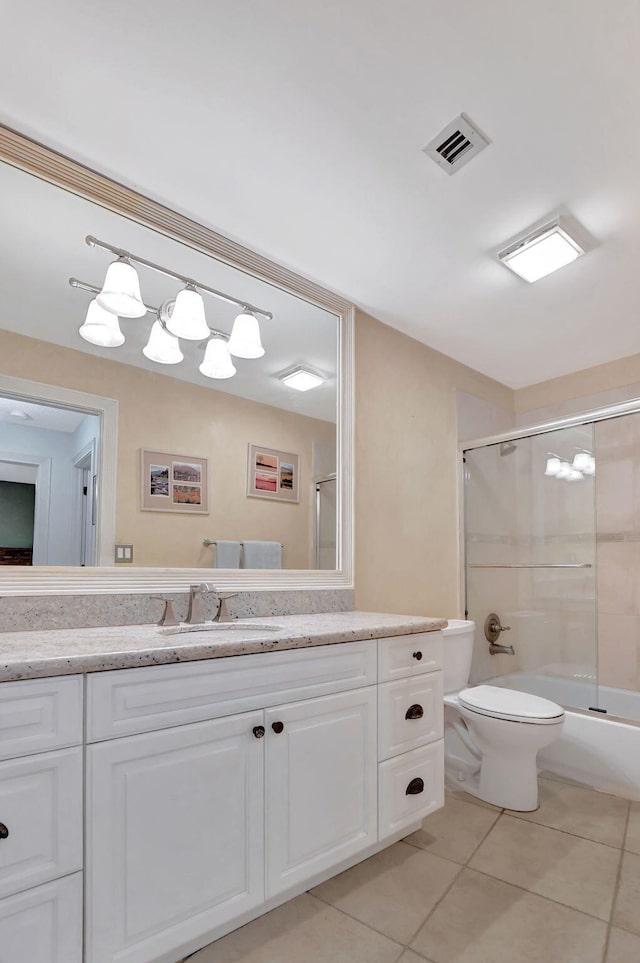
617,444
518,516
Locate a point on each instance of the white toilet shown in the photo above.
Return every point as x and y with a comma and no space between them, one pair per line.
492,735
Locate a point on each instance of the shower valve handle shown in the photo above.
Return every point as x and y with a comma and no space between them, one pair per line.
493,627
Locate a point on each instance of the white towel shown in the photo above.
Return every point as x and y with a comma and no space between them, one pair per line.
227,554
262,555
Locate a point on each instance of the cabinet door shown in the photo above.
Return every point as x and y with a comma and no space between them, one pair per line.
321,782
175,837
41,812
44,924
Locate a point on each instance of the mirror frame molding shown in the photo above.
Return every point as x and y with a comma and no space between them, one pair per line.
34,158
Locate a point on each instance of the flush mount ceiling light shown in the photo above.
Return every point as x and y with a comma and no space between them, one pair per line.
301,378
542,251
20,415
180,317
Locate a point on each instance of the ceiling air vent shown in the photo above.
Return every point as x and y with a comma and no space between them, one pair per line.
456,145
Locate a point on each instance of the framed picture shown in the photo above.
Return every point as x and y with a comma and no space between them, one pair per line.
173,483
273,474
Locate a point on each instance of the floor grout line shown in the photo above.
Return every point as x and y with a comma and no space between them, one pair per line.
368,926
616,886
565,832
532,892
461,867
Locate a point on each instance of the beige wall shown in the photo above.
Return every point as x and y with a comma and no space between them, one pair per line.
604,384
406,552
161,413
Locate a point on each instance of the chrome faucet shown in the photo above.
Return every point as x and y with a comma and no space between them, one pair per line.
195,615
222,615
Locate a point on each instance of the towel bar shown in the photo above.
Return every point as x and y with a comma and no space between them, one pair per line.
213,541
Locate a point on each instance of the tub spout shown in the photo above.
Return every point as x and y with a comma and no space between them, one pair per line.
496,649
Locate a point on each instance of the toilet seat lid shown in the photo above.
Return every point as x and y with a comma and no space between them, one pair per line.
493,700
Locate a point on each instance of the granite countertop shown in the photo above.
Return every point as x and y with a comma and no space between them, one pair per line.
30,655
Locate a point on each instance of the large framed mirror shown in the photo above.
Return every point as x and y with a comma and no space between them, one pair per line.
153,430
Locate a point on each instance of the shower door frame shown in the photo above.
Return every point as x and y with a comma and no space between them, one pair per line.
587,417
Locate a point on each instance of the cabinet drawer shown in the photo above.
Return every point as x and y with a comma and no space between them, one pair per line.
130,701
40,714
410,714
421,770
43,925
41,807
406,655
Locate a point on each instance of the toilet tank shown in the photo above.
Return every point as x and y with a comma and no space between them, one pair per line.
457,653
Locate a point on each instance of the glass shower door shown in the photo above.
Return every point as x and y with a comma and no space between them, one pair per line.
530,545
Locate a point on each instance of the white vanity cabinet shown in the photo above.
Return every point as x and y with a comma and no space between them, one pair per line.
213,791
41,821
192,826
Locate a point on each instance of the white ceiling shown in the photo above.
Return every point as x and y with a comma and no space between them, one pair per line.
296,128
40,416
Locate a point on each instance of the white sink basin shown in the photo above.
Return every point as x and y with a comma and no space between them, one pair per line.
238,626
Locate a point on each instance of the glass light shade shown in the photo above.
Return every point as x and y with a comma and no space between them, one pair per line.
121,291
245,337
162,347
101,327
581,460
188,319
217,360
565,470
591,467
574,475
553,465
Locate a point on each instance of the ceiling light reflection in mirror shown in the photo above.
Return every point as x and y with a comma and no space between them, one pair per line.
242,355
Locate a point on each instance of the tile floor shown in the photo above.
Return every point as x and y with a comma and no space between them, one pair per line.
476,884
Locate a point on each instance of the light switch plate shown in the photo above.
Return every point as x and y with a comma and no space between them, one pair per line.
123,553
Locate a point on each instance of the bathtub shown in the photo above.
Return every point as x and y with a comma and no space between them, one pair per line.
601,750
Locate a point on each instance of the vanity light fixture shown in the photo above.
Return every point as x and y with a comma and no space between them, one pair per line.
182,317
245,336
583,464
581,460
162,346
120,292
187,319
553,465
101,327
217,361
542,251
